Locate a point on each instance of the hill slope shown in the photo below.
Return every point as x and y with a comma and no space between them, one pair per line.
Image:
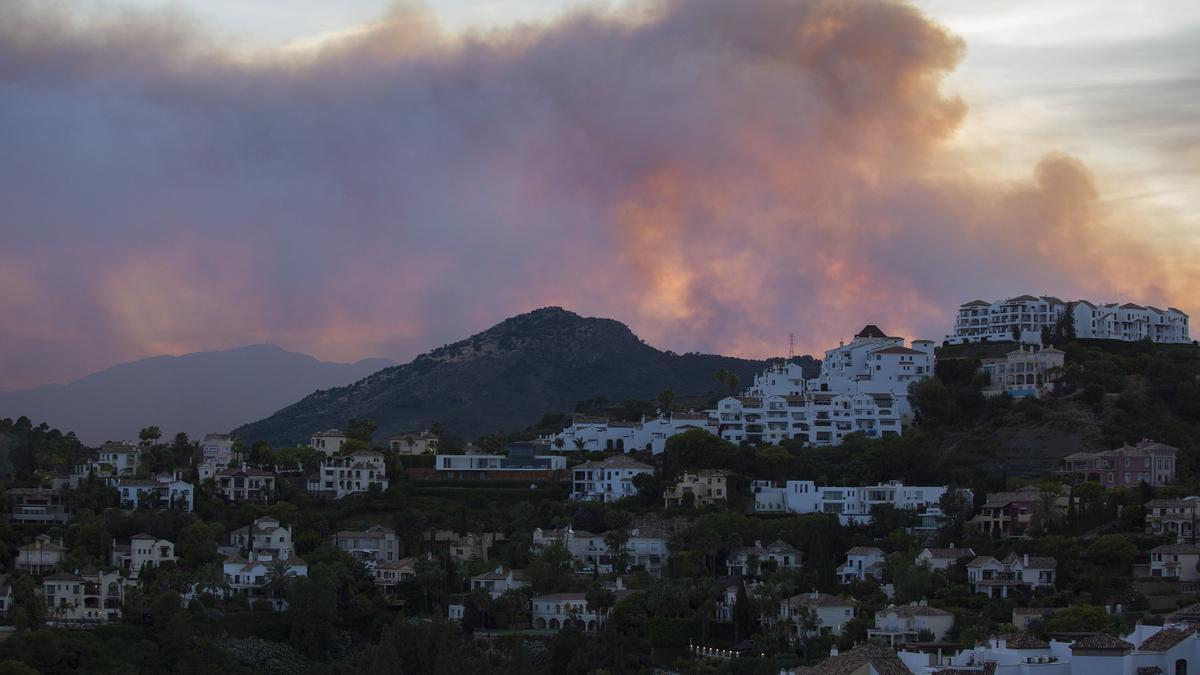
504,378
195,393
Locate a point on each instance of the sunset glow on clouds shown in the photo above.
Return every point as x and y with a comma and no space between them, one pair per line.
715,174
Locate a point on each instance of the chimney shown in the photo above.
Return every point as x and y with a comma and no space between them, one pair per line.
1026,563
951,545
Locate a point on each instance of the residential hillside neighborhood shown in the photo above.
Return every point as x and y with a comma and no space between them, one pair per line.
860,515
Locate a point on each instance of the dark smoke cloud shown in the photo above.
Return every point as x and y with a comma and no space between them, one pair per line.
714,173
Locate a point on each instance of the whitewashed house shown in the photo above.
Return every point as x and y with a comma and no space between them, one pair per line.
829,612
249,577
163,491
267,536
144,550
1175,518
329,441
217,449
500,581
650,434
245,484
559,610
749,560
1014,574
423,443
1023,372
343,475
374,544
1177,561
942,559
89,596
862,563
41,555
389,574
608,480
899,625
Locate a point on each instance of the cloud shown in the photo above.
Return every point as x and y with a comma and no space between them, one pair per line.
715,174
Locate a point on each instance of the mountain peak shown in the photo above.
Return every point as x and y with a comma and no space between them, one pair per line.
504,378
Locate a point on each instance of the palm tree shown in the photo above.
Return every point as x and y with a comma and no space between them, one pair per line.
1046,514
279,578
210,579
579,443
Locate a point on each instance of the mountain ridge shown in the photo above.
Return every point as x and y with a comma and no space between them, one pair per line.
196,393
503,378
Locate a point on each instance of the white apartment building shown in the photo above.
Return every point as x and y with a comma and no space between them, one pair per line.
329,441
144,550
89,596
164,491
1024,317
862,563
1023,372
217,449
608,480
599,433
355,473
372,545
862,388
852,505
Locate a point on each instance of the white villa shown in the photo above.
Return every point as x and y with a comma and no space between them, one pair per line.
831,612
329,441
266,536
424,443
374,544
355,473
1001,578
1173,517
144,550
217,449
646,548
862,563
942,559
748,560
246,484
164,491
1023,372
89,596
115,459
559,610
852,505
903,624
1025,316
500,581
1177,561
41,555
608,480
250,576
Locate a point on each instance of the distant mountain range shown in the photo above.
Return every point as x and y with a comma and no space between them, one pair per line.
504,379
195,393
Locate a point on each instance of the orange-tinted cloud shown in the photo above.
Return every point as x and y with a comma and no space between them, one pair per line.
715,174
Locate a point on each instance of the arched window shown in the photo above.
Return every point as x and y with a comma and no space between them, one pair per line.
1181,667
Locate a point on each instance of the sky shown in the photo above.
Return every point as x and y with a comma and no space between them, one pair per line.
365,178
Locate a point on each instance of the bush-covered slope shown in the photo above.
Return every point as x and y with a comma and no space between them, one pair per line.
504,378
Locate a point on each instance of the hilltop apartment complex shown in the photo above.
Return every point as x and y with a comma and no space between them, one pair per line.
1024,317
